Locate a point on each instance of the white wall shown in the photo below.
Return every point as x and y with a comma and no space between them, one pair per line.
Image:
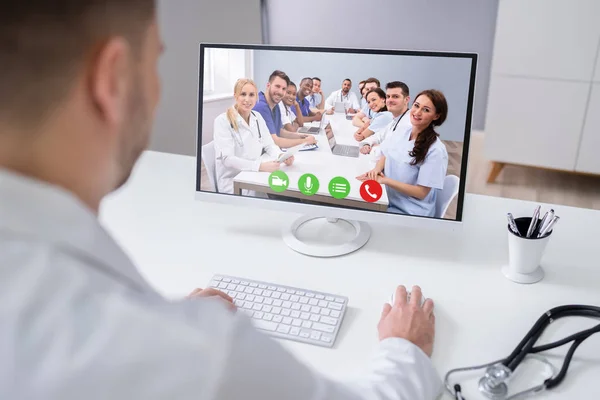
448,25
185,24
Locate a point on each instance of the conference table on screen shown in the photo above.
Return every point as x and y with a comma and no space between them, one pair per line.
325,165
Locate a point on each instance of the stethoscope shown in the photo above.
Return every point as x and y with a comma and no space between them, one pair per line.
493,385
397,122
238,138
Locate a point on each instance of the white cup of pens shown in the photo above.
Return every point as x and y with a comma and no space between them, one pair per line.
527,240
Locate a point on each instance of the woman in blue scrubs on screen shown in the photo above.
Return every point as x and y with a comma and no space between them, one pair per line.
413,164
376,114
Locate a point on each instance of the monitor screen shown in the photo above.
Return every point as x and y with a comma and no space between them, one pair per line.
379,131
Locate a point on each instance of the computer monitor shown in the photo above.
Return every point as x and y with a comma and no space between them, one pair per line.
412,136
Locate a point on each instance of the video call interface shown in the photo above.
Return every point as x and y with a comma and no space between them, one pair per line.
380,131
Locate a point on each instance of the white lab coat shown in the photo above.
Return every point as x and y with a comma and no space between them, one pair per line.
79,322
241,151
350,100
399,124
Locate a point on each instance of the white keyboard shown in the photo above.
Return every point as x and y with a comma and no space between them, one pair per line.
286,312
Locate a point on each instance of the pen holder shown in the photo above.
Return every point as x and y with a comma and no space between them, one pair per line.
525,254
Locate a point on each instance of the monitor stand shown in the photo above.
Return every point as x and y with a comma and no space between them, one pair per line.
326,237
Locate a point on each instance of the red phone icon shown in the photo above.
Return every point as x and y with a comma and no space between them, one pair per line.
371,191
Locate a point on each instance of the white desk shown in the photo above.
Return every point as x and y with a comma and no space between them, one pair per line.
325,166
179,243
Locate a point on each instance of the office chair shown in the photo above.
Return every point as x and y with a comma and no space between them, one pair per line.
446,195
208,157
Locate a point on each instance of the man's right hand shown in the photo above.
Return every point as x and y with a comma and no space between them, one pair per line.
310,139
366,149
409,321
269,166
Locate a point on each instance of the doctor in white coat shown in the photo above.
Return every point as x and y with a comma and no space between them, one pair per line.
242,139
77,319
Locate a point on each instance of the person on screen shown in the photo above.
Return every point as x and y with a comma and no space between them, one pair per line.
242,139
379,116
363,114
397,100
316,98
267,106
78,319
306,86
413,164
291,116
343,95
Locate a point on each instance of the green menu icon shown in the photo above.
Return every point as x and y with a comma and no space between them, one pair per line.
339,187
279,181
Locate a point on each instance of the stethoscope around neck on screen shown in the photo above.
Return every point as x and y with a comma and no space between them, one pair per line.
493,383
238,137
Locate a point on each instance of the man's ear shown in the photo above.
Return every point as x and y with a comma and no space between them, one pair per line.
109,81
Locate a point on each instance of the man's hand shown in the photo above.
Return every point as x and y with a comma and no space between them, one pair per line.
366,149
210,292
409,321
358,136
289,161
310,139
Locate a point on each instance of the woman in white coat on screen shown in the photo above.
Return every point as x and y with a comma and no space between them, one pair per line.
242,140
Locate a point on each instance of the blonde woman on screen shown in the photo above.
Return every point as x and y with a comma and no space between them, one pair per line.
242,139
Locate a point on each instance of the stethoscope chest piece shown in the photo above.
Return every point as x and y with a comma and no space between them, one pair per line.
492,383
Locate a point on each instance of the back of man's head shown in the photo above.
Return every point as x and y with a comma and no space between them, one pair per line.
45,44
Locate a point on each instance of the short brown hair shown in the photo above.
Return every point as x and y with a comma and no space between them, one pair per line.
280,74
43,43
373,80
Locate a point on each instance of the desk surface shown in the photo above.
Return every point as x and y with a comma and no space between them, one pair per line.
179,243
323,164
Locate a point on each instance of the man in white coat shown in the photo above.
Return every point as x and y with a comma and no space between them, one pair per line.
79,87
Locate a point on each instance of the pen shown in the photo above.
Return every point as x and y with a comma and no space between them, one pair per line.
545,222
458,392
534,220
541,224
549,227
512,224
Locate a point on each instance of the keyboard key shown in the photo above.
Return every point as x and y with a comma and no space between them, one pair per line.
335,314
222,285
276,310
338,300
287,304
313,302
285,296
286,312
320,297
310,295
268,317
336,306
315,310
323,327
226,280
235,281
322,303
250,297
326,338
258,292
265,325
231,286
277,303
305,308
249,290
238,303
300,293
315,335
295,314
325,311
328,298
217,278
328,320
305,315
297,322
295,331
305,334
259,299
249,313
267,308
253,285
271,288
245,283
290,291
287,320
241,296
314,318
258,315
268,301
294,298
267,293
248,304
240,288
295,306
257,307
277,318
283,328
280,289
303,300
307,324
262,286
276,295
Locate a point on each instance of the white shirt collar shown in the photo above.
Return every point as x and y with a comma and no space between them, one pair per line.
49,214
